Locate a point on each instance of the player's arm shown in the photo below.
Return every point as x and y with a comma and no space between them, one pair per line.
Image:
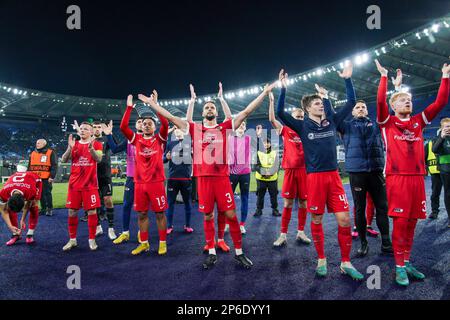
68,154
5,215
252,106
115,148
438,144
273,120
442,97
181,124
124,125
346,110
168,153
285,117
225,107
382,106
190,110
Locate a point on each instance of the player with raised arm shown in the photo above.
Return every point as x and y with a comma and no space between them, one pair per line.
211,167
294,183
21,192
324,184
83,183
405,166
149,175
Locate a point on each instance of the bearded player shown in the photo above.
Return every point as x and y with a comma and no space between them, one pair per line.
294,183
83,184
211,167
405,166
149,192
21,192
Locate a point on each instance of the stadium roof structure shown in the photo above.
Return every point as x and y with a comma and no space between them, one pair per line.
419,53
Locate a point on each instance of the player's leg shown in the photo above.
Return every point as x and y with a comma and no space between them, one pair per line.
158,200
44,197
410,269
285,219
73,204
141,206
302,206
273,192
50,200
319,243
436,188
109,205
32,223
161,223
13,217
399,232
221,223
172,192
377,191
358,185
370,213
210,233
244,185
186,194
128,199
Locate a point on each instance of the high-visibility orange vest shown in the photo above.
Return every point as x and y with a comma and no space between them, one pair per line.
41,163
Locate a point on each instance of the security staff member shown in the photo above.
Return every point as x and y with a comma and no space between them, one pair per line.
267,166
43,162
436,182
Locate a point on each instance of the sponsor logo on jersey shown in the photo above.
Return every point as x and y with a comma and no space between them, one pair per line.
407,136
398,210
147,152
322,135
83,162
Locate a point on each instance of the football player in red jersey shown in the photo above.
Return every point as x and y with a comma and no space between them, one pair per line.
209,140
405,167
83,184
294,183
21,192
150,192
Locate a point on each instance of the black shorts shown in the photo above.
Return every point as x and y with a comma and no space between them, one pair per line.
105,188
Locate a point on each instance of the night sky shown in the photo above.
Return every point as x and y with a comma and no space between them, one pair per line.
135,46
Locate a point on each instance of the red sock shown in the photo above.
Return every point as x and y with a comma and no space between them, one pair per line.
13,218
410,238
92,225
162,235
34,216
301,219
285,219
73,227
221,222
235,232
318,238
210,233
345,242
144,236
370,210
399,240
242,224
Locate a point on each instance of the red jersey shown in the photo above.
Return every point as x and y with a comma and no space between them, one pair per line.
149,151
149,158
83,174
28,183
404,138
293,154
210,149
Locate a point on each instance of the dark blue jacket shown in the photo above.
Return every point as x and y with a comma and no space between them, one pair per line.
180,165
364,150
319,139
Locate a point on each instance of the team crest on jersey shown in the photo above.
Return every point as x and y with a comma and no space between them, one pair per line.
325,123
313,208
415,125
370,124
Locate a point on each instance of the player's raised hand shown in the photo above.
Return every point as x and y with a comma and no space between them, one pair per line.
130,101
71,141
107,128
193,95
446,69
76,127
154,96
283,77
397,81
347,72
383,71
220,94
321,91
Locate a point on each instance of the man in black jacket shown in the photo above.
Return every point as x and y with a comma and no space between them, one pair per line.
442,148
431,162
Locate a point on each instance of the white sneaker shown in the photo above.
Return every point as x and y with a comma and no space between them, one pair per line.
112,234
93,245
301,236
70,245
282,240
99,231
227,227
243,231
